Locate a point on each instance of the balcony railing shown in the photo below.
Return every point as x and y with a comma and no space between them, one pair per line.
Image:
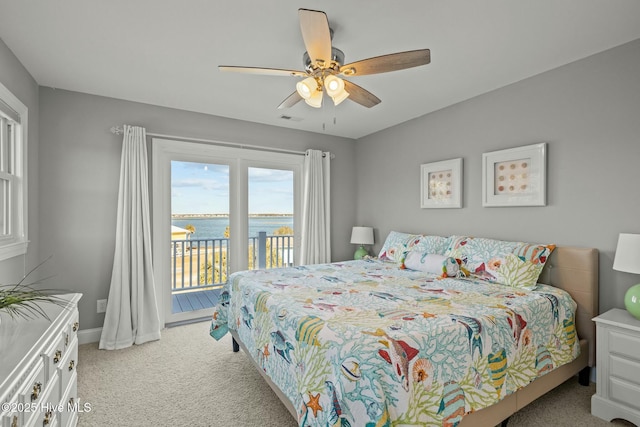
202,263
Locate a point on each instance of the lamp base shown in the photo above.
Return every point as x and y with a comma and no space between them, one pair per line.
360,253
632,301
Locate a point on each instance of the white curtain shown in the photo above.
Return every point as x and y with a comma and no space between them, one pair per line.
316,218
132,312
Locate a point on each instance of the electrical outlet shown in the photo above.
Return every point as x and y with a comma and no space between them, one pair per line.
102,305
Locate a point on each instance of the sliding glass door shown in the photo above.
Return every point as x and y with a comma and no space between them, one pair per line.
270,219
217,210
199,234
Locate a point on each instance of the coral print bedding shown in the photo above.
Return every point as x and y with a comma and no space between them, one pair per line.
365,343
515,264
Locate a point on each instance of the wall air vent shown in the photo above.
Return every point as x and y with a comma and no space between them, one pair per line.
291,118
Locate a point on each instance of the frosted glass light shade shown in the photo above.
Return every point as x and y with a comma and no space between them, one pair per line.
315,100
340,97
335,89
334,85
306,87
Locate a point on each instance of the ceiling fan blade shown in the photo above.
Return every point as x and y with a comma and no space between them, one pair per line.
316,34
263,71
386,63
291,100
360,95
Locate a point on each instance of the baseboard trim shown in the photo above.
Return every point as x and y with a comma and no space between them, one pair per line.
87,336
188,322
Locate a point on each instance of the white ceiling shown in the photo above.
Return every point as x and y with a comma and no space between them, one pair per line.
166,52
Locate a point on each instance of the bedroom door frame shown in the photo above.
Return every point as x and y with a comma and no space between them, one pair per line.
164,151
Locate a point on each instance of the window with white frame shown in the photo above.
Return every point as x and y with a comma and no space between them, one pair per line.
13,173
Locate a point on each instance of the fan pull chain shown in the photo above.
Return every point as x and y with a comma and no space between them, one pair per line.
334,114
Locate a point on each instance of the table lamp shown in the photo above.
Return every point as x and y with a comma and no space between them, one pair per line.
361,236
627,259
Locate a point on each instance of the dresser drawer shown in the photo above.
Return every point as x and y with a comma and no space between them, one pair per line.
74,325
33,387
69,415
52,357
11,418
625,369
36,398
46,415
624,392
68,365
624,344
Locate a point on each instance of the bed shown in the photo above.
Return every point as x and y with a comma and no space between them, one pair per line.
368,343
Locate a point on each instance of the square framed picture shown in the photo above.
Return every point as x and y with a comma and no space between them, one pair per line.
441,184
515,177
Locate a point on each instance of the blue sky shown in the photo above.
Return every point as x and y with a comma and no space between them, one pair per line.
198,188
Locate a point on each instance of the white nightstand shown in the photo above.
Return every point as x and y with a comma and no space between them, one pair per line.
617,367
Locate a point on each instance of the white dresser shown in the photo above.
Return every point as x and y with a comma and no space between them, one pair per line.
617,367
38,360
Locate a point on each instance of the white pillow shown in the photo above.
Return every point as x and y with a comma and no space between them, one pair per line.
432,263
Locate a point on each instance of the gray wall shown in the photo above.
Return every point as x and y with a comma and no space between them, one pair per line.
587,111
18,80
79,173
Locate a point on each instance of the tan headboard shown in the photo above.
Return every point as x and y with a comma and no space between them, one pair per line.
576,271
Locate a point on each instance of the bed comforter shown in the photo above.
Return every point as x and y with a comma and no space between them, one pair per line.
364,343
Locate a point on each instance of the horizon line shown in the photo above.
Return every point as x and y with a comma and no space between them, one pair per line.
191,215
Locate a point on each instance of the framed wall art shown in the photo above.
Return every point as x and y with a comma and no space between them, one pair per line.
441,184
515,177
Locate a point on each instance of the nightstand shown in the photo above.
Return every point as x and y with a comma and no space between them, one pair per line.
617,367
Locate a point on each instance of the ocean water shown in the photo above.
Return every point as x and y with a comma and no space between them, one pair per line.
208,228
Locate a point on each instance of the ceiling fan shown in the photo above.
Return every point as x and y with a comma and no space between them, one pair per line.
324,66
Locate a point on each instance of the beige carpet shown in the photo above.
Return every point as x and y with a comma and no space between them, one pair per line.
189,379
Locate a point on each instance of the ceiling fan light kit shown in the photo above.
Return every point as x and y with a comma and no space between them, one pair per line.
307,87
335,89
315,100
323,65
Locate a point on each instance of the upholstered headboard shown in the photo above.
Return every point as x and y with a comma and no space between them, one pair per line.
576,271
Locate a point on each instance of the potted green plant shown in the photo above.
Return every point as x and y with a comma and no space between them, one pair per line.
23,300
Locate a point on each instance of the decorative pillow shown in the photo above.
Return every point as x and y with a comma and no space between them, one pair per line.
514,264
431,263
429,244
398,244
395,246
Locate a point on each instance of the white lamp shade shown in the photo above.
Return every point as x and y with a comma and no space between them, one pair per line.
335,89
627,257
316,99
362,236
334,85
340,97
307,87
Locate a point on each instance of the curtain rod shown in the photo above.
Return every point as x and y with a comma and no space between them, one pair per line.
119,131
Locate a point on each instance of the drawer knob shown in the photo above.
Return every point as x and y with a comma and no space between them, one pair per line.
37,388
57,357
47,418
66,340
71,402
71,365
75,326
